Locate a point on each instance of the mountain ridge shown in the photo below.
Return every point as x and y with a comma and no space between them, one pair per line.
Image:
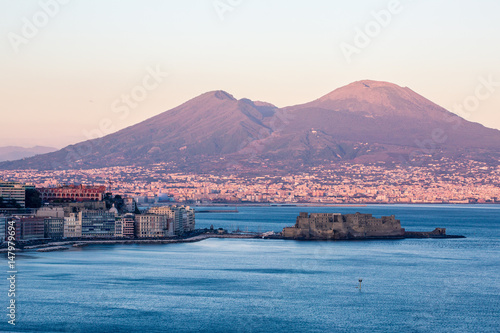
366,121
12,153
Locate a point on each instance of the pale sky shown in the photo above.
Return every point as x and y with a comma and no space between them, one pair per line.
63,81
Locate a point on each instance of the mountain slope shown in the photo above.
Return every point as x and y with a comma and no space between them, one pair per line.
385,113
372,121
214,123
366,121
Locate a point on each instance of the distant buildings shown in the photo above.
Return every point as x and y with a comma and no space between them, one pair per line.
30,228
153,226
80,212
56,212
72,193
72,226
163,210
130,205
100,224
183,217
74,207
54,227
343,183
13,192
118,227
97,223
128,225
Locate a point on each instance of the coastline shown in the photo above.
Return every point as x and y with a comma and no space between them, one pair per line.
326,204
62,245
66,245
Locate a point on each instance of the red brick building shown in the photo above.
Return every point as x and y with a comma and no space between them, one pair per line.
73,193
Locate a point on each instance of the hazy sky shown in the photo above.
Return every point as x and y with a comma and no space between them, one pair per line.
66,68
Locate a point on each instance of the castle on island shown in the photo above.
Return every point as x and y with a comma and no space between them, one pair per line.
333,226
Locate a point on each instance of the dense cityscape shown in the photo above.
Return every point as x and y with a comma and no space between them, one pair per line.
139,202
84,212
444,182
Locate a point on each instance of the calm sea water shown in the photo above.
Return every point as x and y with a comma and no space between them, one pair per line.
228,285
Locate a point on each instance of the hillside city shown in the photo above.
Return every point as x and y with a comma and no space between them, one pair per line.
444,182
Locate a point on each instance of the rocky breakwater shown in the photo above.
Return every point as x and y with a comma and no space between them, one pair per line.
53,248
436,233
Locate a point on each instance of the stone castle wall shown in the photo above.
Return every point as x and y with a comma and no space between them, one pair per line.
337,226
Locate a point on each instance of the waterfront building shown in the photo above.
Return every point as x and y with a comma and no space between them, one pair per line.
10,191
30,228
72,193
54,227
128,225
153,226
72,226
119,226
97,223
118,222
183,217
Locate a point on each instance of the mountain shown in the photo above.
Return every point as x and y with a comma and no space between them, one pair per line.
380,121
11,153
379,99
363,122
212,124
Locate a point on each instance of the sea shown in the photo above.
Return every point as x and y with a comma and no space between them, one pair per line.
263,285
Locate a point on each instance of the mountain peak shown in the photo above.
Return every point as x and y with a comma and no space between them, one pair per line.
369,90
373,84
220,94
378,99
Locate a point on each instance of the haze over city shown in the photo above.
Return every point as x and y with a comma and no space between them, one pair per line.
66,76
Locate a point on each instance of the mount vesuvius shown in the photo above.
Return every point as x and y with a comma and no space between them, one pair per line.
363,122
